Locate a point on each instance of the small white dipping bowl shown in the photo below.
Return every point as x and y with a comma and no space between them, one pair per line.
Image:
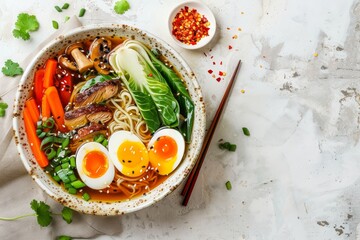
204,11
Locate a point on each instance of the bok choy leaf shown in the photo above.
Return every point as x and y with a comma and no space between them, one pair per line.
187,108
139,74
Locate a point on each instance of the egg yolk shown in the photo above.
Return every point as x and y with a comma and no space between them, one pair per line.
134,158
95,164
163,154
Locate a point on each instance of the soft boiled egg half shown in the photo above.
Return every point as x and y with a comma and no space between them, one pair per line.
94,166
128,153
166,149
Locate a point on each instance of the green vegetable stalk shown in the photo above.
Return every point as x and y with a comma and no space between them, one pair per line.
150,91
187,108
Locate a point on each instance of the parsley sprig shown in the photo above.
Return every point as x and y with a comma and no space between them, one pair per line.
43,214
24,25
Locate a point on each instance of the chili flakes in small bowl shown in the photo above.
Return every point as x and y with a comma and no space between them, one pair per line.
192,25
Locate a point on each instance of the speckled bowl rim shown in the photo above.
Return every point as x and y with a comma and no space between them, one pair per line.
108,208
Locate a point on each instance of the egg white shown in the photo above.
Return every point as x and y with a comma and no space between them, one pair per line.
94,183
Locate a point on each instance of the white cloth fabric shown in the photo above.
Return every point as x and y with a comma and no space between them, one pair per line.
16,183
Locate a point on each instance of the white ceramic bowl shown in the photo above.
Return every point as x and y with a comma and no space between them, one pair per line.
104,207
203,10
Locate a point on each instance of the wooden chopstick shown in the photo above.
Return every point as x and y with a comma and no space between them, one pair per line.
190,183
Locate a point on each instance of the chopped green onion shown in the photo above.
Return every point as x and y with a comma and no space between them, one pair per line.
50,153
49,123
64,160
72,177
72,190
232,148
99,138
39,124
42,135
3,105
56,178
65,143
55,24
82,12
78,184
228,185
246,131
58,9
57,169
105,143
67,18
67,185
62,173
65,6
38,132
72,161
2,112
86,196
65,165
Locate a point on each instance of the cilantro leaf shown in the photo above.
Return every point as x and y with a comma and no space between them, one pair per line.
67,214
41,209
21,34
121,6
25,23
12,68
63,237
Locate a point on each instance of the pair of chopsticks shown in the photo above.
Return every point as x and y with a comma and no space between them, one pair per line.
190,183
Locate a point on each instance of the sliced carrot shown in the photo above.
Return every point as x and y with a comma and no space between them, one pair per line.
56,108
50,70
31,105
45,108
39,85
33,139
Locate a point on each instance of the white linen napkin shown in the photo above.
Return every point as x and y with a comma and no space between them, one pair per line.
17,189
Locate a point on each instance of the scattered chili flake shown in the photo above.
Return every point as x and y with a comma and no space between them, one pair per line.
230,47
211,57
218,79
221,73
205,54
214,63
235,37
210,71
210,50
189,26
220,62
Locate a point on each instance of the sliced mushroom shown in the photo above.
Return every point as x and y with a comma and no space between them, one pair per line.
65,62
99,49
81,60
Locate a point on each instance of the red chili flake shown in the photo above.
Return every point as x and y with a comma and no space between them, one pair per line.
230,47
189,26
210,71
220,62
211,57
221,73
214,63
205,54
150,75
218,79
210,50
